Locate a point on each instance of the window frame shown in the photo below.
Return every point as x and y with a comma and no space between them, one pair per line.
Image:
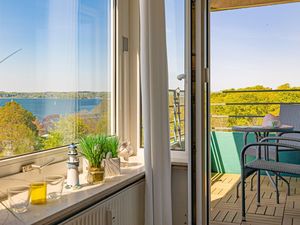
14,164
182,155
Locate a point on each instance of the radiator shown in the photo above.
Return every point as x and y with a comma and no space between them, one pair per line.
124,208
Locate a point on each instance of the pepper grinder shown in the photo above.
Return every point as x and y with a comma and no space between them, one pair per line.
73,164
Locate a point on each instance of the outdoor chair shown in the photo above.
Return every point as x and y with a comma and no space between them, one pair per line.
253,151
259,164
289,115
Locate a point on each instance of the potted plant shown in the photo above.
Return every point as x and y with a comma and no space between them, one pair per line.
93,149
112,161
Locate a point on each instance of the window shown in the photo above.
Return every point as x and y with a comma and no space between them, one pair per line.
176,56
56,73
175,30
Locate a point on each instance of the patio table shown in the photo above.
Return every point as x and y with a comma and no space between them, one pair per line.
260,133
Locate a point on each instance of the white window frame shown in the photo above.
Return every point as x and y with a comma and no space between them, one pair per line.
13,165
128,73
181,156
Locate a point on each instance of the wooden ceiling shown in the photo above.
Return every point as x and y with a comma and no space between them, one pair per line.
219,5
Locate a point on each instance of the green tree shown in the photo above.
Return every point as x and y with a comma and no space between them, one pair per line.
54,139
102,113
67,130
220,111
18,132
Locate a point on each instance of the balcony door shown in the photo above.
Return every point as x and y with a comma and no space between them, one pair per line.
199,157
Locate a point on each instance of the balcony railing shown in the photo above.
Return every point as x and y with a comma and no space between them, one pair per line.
176,115
249,106
176,118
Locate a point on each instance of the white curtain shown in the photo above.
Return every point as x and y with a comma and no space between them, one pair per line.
154,84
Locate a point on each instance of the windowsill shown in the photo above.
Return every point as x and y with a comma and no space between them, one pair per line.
7,217
179,161
178,158
71,201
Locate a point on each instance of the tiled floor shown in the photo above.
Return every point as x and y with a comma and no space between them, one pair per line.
226,208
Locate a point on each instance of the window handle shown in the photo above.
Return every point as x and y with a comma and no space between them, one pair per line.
30,167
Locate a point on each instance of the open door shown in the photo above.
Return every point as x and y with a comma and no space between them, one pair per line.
200,134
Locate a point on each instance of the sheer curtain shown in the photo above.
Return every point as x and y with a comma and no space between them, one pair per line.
154,84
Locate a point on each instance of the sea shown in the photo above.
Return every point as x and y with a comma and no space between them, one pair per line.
42,107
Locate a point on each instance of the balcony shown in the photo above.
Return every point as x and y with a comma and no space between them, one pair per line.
241,107
226,208
248,107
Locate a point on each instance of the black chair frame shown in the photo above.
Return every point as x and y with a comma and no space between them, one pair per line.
247,171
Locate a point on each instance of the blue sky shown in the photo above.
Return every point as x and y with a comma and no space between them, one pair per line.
248,46
64,45
62,38
175,16
256,46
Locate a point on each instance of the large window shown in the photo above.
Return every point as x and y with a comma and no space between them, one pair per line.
56,72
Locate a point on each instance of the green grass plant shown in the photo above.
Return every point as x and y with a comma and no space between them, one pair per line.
112,146
92,147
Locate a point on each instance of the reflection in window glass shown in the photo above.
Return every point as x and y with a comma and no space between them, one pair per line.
55,68
175,28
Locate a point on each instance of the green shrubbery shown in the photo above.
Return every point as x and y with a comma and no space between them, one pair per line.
21,132
252,110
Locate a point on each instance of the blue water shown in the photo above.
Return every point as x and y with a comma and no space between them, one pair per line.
42,107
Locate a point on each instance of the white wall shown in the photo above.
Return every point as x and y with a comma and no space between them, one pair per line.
179,194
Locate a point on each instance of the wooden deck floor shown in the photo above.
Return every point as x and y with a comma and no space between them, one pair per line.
226,208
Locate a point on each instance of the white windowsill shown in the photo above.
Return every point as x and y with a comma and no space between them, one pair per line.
71,201
178,158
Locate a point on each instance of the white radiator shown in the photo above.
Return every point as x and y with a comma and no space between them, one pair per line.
124,208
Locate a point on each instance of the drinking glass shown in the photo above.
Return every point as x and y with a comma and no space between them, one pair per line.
54,186
38,193
18,198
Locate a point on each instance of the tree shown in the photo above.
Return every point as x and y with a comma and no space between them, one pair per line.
54,139
261,110
103,112
67,130
97,120
284,86
18,132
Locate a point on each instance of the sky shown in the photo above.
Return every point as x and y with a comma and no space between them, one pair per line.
255,46
65,45
175,32
251,46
